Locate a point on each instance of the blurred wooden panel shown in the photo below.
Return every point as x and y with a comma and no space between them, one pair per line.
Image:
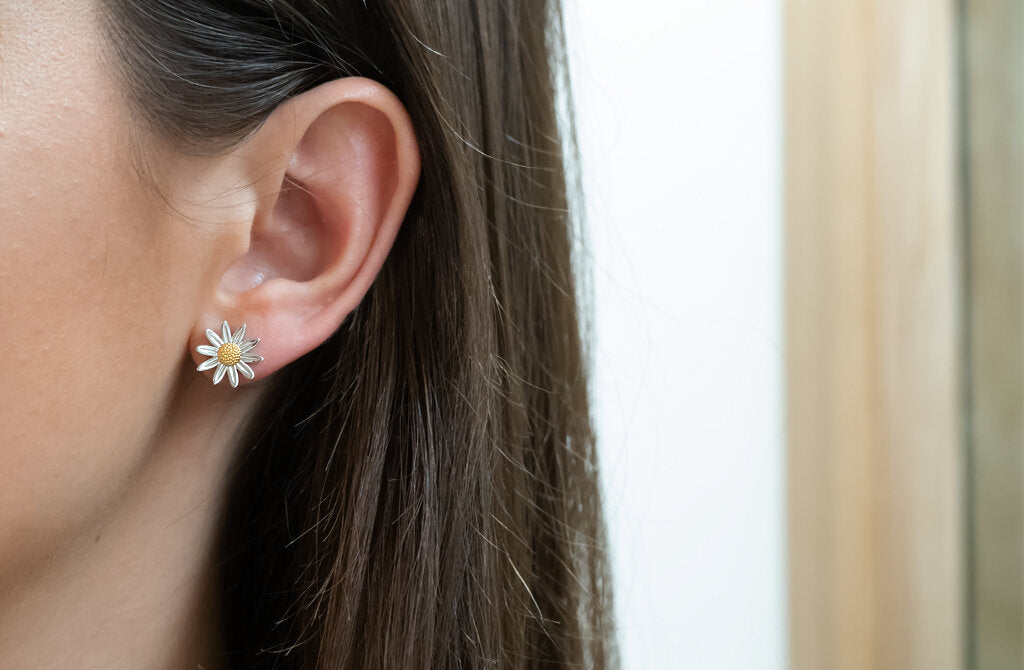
874,401
994,179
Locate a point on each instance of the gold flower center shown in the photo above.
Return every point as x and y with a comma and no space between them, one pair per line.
229,353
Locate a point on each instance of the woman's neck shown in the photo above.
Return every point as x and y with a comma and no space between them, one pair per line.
138,588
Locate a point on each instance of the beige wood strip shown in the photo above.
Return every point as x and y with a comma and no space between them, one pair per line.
872,246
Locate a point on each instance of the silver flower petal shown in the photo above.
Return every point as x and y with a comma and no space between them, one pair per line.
207,364
207,350
219,374
248,345
233,376
244,368
239,334
252,358
225,332
214,338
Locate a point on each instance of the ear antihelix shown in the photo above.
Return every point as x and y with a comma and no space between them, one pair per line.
230,353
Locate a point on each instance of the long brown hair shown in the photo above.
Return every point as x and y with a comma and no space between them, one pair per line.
432,499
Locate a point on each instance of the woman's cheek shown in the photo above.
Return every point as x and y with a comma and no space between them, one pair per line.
87,296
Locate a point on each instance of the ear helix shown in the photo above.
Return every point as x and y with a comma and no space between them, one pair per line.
229,353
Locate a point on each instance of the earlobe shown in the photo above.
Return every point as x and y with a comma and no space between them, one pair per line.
346,164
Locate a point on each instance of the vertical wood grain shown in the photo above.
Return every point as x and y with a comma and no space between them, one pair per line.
873,411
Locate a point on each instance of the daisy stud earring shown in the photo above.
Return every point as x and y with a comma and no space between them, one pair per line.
230,354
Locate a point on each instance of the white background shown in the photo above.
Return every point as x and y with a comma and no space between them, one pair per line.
679,113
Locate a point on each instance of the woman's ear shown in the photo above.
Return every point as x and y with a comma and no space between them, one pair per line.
331,173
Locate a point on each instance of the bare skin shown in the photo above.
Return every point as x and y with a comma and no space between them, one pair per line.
114,450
